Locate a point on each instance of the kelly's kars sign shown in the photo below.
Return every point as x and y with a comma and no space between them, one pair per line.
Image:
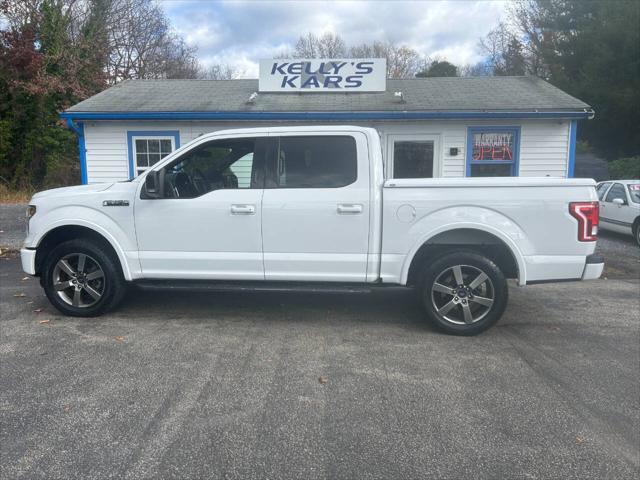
325,75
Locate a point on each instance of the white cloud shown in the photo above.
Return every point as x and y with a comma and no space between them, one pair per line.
240,33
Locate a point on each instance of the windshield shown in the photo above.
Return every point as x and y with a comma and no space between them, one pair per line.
634,192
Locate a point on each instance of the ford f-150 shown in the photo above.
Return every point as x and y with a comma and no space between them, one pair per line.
310,208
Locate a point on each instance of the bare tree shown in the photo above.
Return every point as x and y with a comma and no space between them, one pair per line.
221,71
505,52
328,45
402,61
141,43
480,69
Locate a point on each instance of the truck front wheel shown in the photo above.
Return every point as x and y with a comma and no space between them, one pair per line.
464,293
81,279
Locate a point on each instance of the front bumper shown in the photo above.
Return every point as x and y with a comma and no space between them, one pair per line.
28,259
593,267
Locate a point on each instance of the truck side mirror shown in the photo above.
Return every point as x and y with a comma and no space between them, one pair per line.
619,201
153,185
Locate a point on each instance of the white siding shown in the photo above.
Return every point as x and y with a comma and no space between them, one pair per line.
544,144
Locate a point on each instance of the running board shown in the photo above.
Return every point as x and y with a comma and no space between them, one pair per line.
248,286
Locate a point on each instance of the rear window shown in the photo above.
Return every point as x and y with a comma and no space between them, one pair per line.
316,162
634,192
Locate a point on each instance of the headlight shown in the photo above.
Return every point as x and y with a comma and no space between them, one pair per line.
31,211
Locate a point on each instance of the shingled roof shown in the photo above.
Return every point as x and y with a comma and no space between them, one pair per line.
445,94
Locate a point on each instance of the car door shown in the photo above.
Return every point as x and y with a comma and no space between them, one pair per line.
207,225
615,214
315,208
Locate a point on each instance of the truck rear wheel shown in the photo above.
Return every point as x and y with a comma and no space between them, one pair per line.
464,293
81,279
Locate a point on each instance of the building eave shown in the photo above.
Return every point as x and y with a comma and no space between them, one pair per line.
329,115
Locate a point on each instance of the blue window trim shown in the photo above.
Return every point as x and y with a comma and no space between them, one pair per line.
515,163
572,148
329,115
147,133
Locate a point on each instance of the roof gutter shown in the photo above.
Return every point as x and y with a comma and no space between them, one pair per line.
328,116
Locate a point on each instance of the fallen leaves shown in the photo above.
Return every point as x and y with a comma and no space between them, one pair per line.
120,338
44,322
580,440
323,379
67,408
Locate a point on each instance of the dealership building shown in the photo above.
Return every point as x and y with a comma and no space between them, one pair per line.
430,127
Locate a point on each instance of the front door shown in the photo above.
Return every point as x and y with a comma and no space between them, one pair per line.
208,223
316,207
617,216
413,156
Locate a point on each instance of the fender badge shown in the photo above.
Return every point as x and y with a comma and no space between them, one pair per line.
115,203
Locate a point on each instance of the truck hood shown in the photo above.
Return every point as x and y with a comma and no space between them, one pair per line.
76,190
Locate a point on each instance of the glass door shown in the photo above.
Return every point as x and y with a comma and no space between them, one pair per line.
413,156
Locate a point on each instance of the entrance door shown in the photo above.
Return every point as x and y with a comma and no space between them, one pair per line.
208,223
413,156
315,208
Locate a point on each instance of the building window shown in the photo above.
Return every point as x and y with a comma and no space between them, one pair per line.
413,159
148,148
493,151
149,151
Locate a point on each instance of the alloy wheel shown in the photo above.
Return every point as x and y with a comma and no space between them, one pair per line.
79,280
462,294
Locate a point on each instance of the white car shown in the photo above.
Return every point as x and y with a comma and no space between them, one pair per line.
620,206
309,208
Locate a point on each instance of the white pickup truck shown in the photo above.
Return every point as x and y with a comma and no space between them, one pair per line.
310,208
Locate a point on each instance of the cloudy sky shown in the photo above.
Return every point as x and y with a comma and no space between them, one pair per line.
241,32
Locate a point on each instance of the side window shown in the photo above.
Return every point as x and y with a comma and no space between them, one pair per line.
216,165
493,152
314,162
617,191
602,189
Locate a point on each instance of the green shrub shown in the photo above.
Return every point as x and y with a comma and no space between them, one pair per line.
625,168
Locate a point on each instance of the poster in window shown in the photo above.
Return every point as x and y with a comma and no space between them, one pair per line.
493,146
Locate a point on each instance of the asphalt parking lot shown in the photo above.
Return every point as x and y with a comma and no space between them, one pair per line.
228,385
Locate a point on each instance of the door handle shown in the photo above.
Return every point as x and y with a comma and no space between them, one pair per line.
349,208
243,209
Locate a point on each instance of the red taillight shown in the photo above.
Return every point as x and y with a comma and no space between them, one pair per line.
587,214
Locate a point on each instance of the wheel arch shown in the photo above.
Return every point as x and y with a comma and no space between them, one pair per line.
69,231
484,239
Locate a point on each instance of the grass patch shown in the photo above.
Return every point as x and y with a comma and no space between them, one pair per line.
8,195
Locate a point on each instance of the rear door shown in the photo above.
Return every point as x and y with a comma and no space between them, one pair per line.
315,207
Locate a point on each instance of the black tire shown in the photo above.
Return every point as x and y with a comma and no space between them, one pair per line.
110,285
463,303
636,231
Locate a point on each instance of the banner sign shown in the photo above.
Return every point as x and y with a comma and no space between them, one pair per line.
323,75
